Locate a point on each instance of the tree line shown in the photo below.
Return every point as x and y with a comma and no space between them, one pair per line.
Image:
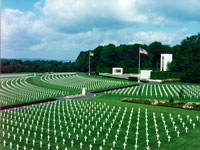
186,57
16,66
126,56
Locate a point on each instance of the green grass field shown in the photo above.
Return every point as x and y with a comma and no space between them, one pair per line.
102,122
102,114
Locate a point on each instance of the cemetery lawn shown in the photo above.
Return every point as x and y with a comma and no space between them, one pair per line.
102,122
76,124
190,141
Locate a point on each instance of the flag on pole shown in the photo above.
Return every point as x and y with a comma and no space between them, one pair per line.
143,51
91,54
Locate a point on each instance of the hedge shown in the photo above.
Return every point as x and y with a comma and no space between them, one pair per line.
165,75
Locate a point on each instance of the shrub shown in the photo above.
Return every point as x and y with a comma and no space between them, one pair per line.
170,80
171,100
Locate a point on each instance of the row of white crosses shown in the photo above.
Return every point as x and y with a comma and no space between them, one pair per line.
156,129
137,128
77,82
146,128
82,120
165,127
174,125
160,90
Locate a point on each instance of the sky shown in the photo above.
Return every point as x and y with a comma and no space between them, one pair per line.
60,29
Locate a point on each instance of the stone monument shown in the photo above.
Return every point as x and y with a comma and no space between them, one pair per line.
164,60
145,74
117,71
83,91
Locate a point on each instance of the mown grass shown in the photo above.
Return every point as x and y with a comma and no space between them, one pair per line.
190,141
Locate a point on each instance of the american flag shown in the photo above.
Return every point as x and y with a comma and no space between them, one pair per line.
143,51
91,54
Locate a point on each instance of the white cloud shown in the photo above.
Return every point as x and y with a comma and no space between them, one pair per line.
149,37
177,11
66,27
83,15
14,22
73,16
170,38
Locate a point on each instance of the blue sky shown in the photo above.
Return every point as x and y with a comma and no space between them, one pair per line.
23,5
60,29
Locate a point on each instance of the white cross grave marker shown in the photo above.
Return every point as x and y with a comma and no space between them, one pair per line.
186,129
169,137
124,145
104,141
178,133
114,143
72,143
136,146
94,139
159,143
81,145
90,146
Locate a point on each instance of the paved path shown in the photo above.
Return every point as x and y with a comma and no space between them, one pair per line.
77,97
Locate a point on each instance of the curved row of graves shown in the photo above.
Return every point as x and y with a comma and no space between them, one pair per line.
18,90
91,125
76,81
21,90
165,91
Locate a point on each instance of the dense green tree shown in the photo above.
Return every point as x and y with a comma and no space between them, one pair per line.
186,61
155,49
12,66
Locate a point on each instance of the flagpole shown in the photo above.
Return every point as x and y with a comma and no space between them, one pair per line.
89,63
139,67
